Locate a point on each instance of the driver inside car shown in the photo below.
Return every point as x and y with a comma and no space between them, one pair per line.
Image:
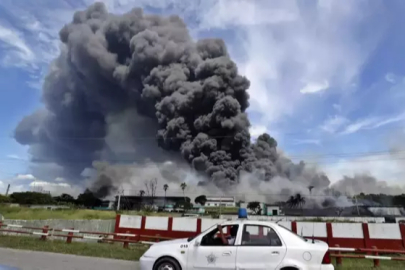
228,241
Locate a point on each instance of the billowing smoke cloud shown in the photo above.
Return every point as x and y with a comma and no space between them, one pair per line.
367,184
186,94
135,88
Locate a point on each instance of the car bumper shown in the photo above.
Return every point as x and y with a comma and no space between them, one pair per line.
146,263
327,267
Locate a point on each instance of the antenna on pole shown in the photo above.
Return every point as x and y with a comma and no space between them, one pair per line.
313,232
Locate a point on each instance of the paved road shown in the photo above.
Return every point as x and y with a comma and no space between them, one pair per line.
32,260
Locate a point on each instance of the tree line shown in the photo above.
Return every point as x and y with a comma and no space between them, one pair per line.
86,200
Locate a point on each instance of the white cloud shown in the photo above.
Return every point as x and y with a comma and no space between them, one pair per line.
384,167
337,107
59,179
55,188
47,184
332,124
19,52
257,130
13,156
314,87
342,125
390,77
372,123
306,141
295,49
24,177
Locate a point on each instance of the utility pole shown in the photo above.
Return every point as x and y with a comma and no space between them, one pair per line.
220,206
119,199
8,189
357,205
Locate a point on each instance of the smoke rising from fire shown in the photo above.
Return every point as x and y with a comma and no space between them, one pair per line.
136,88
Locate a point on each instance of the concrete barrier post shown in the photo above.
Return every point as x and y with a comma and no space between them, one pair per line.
45,232
338,259
376,261
69,238
126,243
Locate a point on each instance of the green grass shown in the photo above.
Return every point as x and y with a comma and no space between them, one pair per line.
104,250
26,213
366,264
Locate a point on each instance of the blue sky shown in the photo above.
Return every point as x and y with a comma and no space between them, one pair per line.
327,77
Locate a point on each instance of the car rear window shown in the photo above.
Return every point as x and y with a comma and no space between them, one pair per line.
293,233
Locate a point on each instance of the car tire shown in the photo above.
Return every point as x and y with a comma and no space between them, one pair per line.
289,268
167,264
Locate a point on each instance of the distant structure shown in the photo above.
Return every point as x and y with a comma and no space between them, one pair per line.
220,201
266,209
160,202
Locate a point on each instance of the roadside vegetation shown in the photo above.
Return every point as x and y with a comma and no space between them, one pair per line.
26,213
366,264
104,250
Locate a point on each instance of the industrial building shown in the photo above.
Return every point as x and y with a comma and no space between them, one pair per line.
160,202
220,202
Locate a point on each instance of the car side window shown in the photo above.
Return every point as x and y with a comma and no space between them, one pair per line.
259,235
212,238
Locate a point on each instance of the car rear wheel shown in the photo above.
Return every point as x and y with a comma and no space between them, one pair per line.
167,264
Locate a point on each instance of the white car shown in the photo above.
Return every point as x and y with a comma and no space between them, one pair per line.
259,245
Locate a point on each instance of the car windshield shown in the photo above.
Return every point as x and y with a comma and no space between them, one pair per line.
300,237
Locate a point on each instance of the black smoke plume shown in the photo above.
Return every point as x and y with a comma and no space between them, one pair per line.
186,95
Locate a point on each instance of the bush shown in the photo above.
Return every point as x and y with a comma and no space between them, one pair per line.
5,199
31,198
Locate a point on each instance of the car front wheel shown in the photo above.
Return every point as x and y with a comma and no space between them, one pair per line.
167,264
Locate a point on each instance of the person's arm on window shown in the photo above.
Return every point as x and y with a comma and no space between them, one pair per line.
221,235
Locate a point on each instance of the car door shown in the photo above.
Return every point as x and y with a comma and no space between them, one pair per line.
260,248
210,256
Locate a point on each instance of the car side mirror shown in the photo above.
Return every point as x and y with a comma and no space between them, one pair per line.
196,243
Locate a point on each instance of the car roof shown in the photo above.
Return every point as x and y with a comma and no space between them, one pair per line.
249,221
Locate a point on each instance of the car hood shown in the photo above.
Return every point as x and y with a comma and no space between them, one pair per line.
171,242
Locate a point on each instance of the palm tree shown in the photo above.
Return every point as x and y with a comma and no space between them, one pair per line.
165,187
183,187
300,201
291,202
141,193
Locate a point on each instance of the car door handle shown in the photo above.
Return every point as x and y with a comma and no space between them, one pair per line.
275,253
227,253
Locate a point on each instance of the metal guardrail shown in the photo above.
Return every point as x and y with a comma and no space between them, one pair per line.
70,234
337,251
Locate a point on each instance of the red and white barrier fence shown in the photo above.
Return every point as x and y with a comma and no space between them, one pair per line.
45,232
337,253
353,235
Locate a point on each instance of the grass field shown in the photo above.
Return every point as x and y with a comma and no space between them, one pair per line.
116,251
26,213
363,264
105,250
